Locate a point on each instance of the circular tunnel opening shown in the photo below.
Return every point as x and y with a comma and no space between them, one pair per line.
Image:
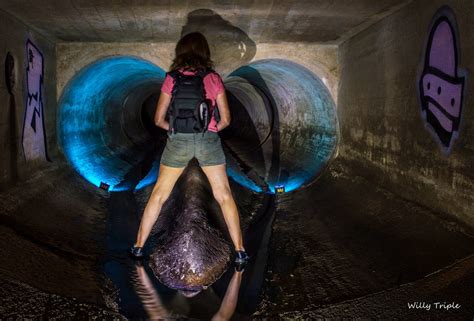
104,122
284,128
284,124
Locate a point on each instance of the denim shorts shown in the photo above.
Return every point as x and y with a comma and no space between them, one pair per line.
182,147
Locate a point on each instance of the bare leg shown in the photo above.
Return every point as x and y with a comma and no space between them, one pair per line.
150,298
217,176
161,191
229,302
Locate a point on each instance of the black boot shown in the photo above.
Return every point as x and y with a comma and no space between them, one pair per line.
240,261
241,256
136,252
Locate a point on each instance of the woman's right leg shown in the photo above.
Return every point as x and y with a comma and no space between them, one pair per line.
161,191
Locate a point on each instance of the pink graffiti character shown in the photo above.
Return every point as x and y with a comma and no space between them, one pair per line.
440,86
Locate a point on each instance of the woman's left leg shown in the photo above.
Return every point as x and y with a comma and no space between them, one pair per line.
217,176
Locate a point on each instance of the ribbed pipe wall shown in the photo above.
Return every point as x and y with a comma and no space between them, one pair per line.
284,122
100,128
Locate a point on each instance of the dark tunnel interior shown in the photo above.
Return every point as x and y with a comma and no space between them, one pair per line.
349,156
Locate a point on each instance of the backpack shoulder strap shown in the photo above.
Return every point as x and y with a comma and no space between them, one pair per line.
172,112
204,72
176,75
173,74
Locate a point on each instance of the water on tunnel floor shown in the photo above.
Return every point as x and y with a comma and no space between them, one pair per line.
324,243
234,294
331,245
108,135
377,249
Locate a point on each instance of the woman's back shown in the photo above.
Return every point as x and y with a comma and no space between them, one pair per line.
213,86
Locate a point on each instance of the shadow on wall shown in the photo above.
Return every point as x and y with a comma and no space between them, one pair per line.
284,129
230,46
258,160
284,125
10,80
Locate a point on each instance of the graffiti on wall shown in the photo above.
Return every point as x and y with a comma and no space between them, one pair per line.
34,136
441,83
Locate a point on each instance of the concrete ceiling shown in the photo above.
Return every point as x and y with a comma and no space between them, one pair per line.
318,21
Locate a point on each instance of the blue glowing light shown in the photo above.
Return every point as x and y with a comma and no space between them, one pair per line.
304,106
243,180
84,105
150,178
304,109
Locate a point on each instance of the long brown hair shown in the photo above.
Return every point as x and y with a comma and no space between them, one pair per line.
192,52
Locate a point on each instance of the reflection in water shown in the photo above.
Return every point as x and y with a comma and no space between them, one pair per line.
227,308
156,309
233,295
191,221
148,295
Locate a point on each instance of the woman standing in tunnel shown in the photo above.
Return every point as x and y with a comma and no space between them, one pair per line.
192,56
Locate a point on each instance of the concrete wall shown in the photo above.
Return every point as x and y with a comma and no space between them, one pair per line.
13,37
382,131
320,59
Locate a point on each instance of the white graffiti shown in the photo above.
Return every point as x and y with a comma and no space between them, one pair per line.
34,138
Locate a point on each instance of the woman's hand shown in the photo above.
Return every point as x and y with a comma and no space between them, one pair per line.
224,111
161,108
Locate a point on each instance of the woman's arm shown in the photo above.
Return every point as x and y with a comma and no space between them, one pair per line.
224,111
161,108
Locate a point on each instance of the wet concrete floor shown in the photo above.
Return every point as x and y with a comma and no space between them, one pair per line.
340,248
343,238
235,295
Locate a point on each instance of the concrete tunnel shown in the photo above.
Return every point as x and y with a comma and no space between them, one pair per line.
348,156
113,92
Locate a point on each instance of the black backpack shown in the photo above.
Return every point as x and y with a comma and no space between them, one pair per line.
189,109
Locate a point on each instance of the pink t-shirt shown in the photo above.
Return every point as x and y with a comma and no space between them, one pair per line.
212,84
